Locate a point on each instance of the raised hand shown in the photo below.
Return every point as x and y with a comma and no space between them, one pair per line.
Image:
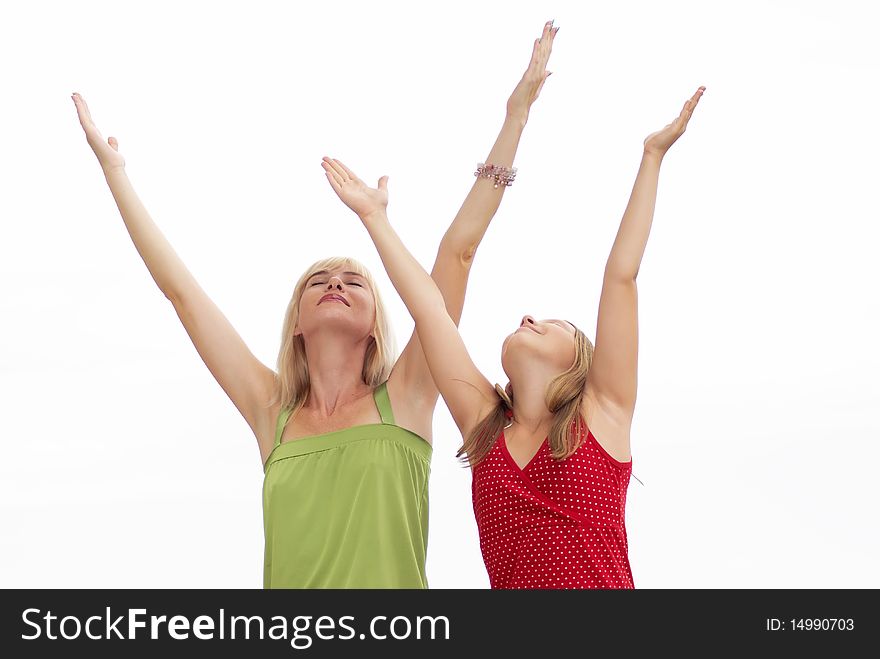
536,74
107,152
353,192
658,143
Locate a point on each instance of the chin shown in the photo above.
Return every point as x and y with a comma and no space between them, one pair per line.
521,348
336,322
512,350
505,345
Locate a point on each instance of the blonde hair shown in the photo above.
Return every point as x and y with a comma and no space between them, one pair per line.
564,398
292,380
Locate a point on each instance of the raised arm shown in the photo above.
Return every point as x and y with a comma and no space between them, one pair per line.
246,381
459,245
613,371
456,252
467,393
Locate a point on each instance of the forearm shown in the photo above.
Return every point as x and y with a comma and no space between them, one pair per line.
415,287
163,263
479,207
632,236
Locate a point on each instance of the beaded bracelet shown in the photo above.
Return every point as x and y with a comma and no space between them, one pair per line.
502,175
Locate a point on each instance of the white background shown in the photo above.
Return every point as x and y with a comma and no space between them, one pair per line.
122,462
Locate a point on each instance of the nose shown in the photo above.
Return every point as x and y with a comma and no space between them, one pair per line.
334,282
527,319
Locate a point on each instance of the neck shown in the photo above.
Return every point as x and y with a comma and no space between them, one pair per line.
335,371
530,398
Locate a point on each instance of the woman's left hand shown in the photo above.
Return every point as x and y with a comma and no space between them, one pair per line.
353,192
658,143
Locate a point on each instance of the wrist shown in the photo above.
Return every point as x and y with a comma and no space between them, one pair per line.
517,118
374,216
652,156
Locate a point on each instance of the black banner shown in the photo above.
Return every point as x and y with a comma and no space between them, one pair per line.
171,623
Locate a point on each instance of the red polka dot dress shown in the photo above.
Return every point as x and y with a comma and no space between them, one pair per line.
553,524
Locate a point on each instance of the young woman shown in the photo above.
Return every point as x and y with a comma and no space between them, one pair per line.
344,432
550,453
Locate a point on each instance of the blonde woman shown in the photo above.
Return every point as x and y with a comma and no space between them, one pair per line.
550,453
344,430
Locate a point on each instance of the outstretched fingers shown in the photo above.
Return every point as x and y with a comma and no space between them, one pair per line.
93,135
81,107
351,175
341,170
544,46
343,173
535,53
82,111
335,175
688,109
547,34
335,184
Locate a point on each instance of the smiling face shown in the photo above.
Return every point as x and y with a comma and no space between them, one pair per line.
338,298
360,317
551,342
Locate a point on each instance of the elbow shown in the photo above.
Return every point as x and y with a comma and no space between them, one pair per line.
171,296
466,256
456,251
618,273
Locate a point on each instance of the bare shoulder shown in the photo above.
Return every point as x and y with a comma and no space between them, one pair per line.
609,424
415,413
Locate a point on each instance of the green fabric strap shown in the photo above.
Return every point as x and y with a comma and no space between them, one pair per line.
383,403
279,425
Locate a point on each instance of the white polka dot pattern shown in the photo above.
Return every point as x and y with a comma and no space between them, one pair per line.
554,524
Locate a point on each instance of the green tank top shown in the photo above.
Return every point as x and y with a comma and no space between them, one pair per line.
349,508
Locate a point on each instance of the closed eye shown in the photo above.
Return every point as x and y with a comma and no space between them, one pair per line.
354,283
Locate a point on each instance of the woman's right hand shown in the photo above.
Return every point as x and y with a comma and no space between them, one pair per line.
354,193
107,152
536,74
